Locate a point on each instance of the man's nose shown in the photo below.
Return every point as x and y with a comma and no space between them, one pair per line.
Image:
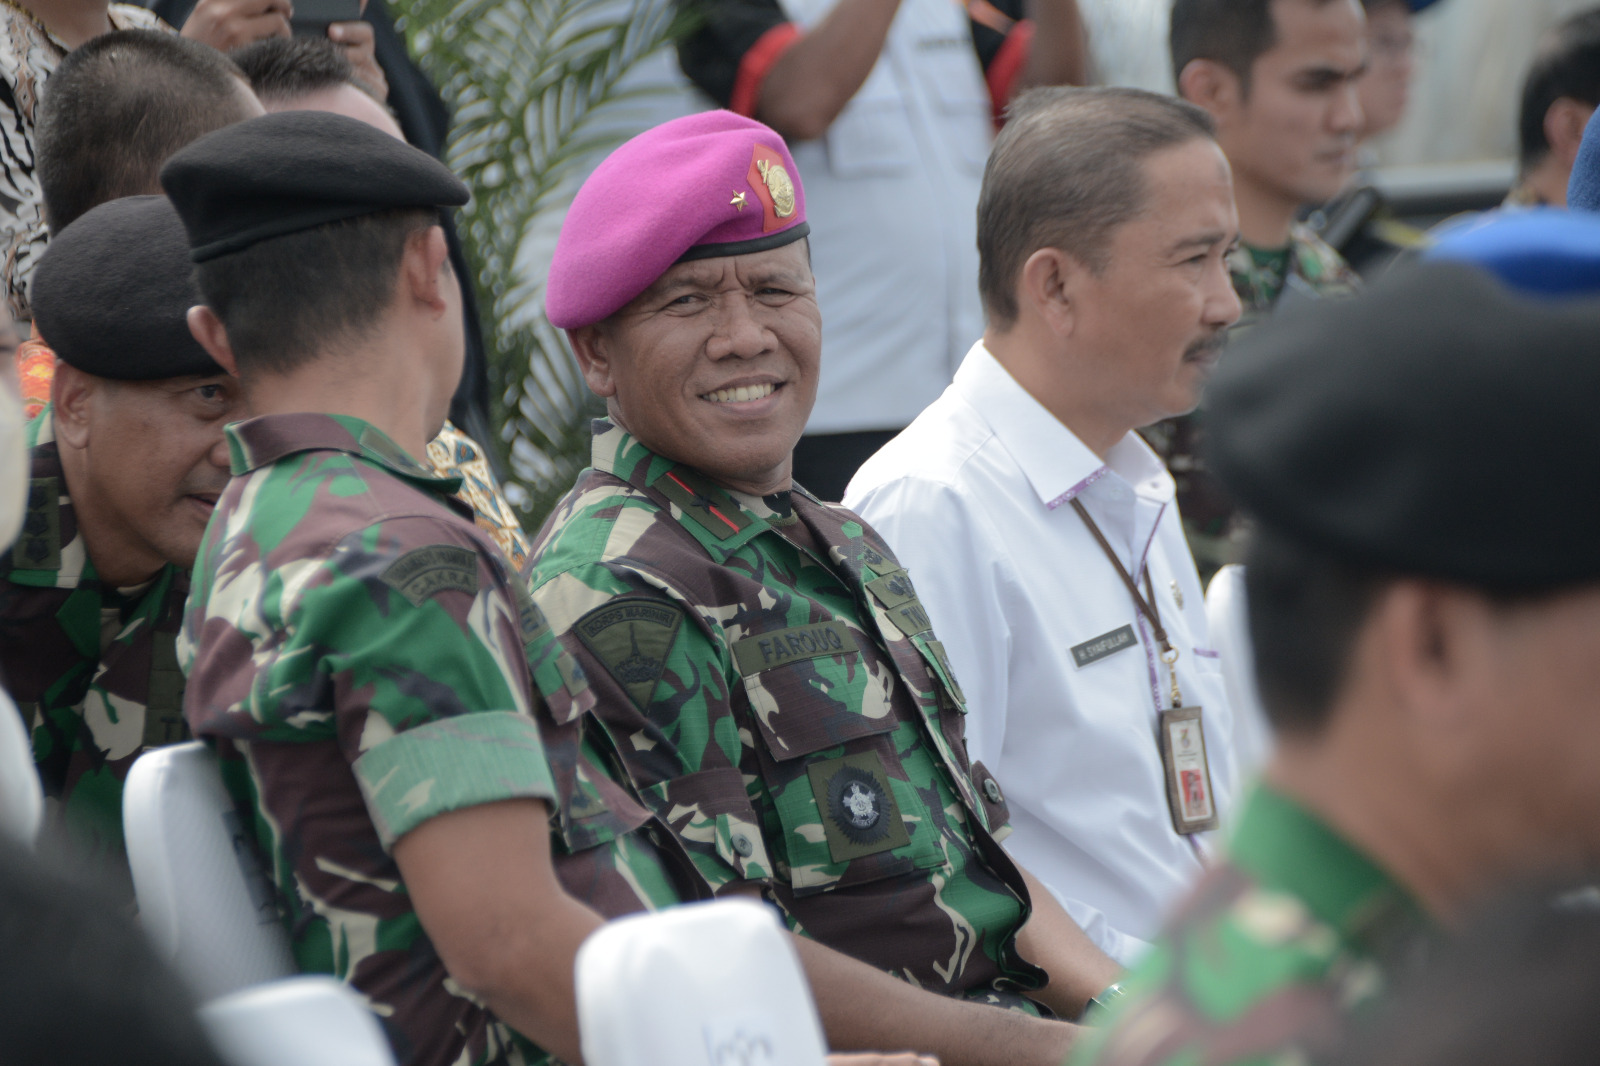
738,333
1346,115
217,456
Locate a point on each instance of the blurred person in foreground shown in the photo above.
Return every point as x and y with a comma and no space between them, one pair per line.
1279,78
889,107
1041,528
1519,986
311,74
777,693
1559,97
1426,660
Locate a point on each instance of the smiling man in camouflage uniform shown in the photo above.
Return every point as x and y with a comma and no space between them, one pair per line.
127,463
762,664
385,699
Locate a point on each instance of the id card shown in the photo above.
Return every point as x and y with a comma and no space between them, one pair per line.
1188,771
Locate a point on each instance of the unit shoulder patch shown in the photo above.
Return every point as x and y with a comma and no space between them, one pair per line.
422,573
631,638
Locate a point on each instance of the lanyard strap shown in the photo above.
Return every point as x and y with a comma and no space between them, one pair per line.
1169,654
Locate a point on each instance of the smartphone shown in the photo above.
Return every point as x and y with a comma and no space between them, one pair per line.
312,17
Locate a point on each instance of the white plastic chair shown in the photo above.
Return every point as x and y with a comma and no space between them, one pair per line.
21,798
203,898
1228,618
705,984
299,1021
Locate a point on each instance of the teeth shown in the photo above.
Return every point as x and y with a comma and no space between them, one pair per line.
740,394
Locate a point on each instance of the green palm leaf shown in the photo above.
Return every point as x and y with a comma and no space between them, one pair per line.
539,89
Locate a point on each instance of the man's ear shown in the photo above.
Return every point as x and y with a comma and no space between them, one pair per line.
1211,86
1564,124
72,395
593,348
209,332
1048,284
425,271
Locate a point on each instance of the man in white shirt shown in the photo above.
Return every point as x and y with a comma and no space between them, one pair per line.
1103,228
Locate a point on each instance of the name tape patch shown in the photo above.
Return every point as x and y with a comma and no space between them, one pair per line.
423,573
766,650
1104,646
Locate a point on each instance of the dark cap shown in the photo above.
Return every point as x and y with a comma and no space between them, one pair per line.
293,171
1440,425
112,293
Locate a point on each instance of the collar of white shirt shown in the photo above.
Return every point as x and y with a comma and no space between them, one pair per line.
1056,463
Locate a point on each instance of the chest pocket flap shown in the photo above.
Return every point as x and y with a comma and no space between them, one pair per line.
809,688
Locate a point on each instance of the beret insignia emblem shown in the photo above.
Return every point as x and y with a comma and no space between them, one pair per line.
778,184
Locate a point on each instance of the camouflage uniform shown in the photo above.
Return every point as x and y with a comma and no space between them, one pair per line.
93,669
1314,271
1270,956
766,671
364,660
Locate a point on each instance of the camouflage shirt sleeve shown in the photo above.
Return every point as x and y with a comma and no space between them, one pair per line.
641,647
402,642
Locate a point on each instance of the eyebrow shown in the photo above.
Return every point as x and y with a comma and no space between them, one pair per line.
1204,240
1322,76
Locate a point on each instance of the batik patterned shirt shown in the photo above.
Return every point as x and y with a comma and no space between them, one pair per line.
779,698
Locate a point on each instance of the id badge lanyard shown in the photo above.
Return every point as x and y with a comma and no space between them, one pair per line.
1180,733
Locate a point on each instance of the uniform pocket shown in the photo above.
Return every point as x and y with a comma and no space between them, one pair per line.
710,813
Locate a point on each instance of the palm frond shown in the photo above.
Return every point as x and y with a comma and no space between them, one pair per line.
539,89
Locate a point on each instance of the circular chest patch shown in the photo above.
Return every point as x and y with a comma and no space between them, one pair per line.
858,805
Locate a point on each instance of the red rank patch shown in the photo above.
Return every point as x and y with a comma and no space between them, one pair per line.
773,186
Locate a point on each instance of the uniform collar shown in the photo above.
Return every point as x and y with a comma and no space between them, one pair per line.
262,441
1057,464
721,519
1286,847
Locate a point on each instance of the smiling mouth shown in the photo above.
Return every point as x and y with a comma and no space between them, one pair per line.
741,393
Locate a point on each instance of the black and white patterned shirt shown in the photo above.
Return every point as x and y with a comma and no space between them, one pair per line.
29,55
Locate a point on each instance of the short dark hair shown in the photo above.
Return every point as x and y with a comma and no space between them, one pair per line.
1567,66
1306,609
287,299
1066,171
1234,33
118,106
287,68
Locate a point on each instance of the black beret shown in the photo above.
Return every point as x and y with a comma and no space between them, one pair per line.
1441,425
112,293
293,171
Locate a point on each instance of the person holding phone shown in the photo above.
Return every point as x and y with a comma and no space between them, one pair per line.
37,35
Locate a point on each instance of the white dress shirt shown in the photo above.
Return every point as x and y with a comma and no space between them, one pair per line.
974,498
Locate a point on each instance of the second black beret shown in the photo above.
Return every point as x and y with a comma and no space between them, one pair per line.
293,171
112,293
1440,425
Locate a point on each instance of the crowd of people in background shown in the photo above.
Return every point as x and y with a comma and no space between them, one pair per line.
940,383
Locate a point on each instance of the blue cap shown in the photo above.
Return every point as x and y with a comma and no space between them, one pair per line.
1583,187
1421,5
1543,250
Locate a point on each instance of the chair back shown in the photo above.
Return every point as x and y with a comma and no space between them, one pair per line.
704,984
299,1021
204,899
1228,618
21,798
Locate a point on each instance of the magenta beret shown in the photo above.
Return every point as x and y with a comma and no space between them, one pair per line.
707,185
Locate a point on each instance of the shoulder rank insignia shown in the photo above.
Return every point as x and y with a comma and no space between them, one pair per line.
702,502
39,546
631,638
